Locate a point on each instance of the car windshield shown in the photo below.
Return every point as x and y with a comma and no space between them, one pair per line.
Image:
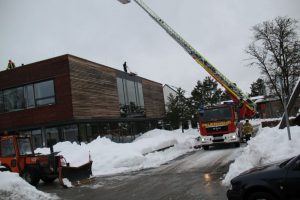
24,146
216,114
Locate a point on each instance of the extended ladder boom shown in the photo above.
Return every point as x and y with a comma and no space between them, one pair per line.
237,95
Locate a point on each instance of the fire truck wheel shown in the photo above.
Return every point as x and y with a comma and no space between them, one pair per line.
30,176
48,179
237,144
205,147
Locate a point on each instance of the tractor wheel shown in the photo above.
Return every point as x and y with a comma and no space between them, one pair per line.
30,176
4,168
48,179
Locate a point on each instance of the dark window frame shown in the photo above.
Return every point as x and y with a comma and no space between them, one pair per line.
25,93
135,88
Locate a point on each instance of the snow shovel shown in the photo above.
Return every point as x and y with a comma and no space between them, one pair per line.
75,175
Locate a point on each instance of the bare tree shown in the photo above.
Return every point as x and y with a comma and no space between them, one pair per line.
275,50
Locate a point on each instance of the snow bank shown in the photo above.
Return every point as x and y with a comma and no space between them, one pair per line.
269,145
12,186
110,157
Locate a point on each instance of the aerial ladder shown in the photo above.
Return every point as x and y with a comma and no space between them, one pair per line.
247,107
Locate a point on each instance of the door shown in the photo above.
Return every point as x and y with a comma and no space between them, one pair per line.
8,154
293,180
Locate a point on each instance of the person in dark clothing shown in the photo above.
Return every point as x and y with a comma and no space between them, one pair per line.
125,67
11,65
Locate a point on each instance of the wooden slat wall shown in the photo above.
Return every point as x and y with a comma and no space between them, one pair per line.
94,90
154,99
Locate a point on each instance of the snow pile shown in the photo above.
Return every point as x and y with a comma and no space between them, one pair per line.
269,145
12,186
110,157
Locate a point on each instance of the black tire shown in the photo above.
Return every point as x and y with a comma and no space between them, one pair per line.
48,179
237,145
261,196
205,147
30,176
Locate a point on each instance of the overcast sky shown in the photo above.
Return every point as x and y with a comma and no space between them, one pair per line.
109,33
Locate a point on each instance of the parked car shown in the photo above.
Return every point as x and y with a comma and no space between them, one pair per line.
271,182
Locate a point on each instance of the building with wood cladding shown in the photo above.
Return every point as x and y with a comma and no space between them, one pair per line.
73,99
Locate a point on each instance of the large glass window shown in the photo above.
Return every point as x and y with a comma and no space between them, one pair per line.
52,134
141,95
27,96
131,92
130,96
37,138
70,133
44,93
1,102
14,99
121,91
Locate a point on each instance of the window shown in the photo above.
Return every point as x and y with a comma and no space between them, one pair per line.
131,92
141,95
131,96
24,146
44,93
37,138
27,96
70,133
52,134
7,148
13,99
1,102
121,91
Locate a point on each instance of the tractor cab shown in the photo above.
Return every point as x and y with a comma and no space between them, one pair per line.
17,155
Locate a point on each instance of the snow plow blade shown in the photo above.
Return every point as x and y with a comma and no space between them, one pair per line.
75,175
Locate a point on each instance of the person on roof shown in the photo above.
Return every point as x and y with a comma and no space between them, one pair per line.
11,65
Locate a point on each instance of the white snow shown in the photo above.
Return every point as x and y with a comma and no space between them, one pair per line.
12,186
67,183
111,158
269,145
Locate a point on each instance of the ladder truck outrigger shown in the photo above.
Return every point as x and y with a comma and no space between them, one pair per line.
217,124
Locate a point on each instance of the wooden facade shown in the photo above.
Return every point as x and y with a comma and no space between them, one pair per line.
84,90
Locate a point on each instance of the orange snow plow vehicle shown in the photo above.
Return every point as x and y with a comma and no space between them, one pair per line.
17,155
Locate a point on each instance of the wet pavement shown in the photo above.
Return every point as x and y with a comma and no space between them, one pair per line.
197,175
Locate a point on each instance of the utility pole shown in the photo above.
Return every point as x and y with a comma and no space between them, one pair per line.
286,116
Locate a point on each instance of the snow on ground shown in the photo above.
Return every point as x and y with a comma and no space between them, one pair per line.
12,186
110,157
269,145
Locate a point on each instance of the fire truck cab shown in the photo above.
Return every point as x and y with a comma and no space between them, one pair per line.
218,125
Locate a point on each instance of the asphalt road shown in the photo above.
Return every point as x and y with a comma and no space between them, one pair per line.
197,175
